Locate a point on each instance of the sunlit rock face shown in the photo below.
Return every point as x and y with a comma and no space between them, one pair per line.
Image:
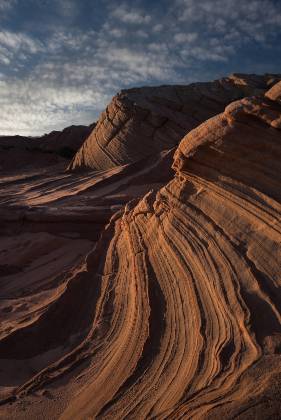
143,121
176,312
189,312
202,257
274,93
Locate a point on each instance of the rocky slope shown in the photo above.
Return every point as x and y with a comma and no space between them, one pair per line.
19,152
55,201
175,313
140,122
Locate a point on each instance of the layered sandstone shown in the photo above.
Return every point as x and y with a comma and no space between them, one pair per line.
176,312
144,121
54,201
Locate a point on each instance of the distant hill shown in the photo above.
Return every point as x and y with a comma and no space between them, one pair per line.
19,151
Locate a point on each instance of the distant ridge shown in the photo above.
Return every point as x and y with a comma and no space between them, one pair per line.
25,151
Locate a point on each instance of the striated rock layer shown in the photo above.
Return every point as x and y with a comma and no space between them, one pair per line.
144,121
78,205
176,312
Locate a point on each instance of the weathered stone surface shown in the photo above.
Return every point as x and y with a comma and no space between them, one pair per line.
54,201
140,122
176,311
274,93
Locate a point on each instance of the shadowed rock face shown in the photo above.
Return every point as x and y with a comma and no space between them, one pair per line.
18,152
176,312
140,122
72,137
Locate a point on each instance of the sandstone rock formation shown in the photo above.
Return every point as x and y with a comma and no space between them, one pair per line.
71,137
143,121
21,152
176,311
54,201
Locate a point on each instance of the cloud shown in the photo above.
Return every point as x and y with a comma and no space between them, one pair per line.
255,18
65,73
130,15
34,107
16,46
7,4
19,41
158,27
182,38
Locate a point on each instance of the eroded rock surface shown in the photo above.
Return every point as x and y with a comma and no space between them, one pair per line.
143,121
177,309
80,205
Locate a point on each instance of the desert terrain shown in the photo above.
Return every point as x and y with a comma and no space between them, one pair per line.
140,259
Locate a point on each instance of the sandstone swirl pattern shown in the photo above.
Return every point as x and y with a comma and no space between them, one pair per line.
144,121
179,303
190,302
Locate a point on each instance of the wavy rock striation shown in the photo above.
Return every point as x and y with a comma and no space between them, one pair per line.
51,200
177,310
144,121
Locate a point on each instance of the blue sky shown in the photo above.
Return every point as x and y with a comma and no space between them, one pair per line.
62,60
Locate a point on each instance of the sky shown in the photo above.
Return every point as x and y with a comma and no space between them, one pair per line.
61,61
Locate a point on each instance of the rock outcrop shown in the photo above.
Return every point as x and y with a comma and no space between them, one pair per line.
176,312
143,121
66,204
18,152
71,137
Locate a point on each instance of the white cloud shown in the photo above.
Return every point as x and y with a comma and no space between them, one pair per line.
4,59
131,16
117,33
17,41
158,27
181,38
35,107
15,46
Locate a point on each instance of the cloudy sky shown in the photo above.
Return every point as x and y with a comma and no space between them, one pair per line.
62,60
